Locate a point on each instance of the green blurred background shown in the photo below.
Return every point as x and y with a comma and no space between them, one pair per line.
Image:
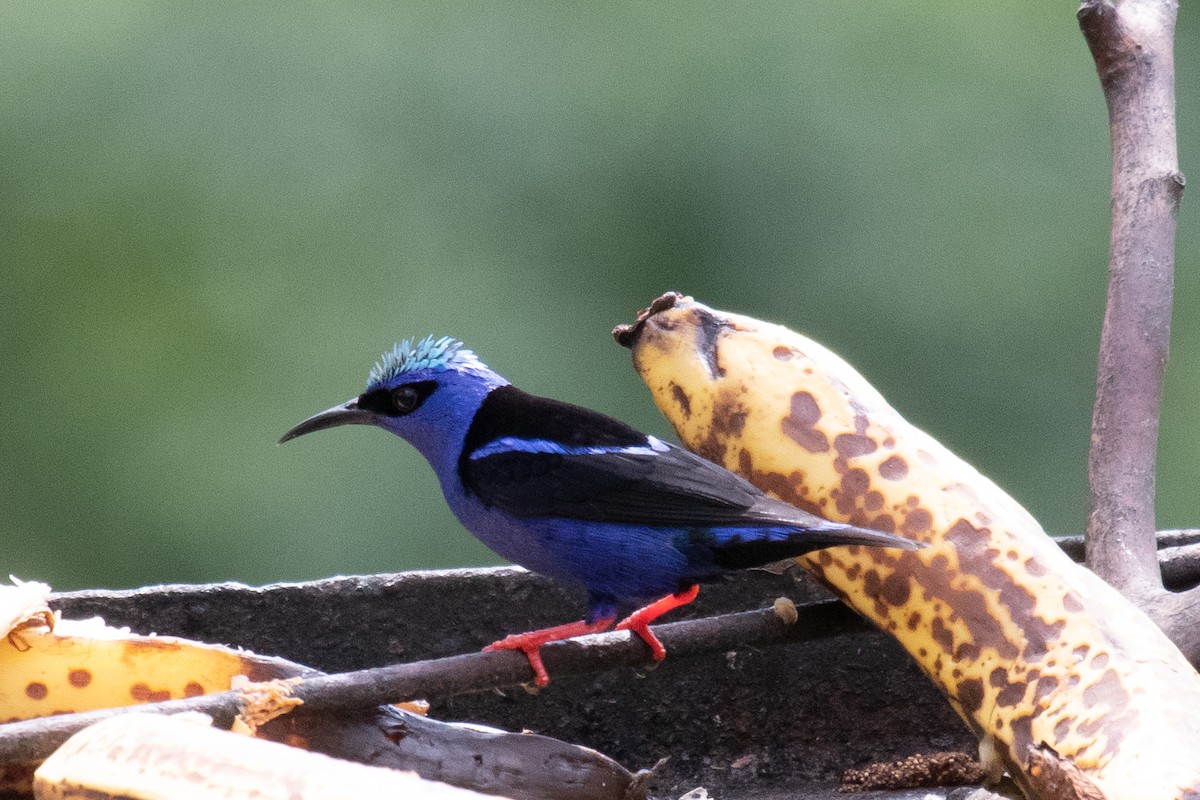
215,216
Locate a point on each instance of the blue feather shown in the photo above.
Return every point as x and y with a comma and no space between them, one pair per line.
514,444
406,357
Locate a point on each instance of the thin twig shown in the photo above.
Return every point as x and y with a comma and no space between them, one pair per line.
33,740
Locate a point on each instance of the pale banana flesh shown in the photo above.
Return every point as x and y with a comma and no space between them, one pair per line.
1037,654
149,757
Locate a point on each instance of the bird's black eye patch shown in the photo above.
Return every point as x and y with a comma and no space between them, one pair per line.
404,399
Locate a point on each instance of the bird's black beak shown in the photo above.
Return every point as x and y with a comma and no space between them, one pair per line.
347,413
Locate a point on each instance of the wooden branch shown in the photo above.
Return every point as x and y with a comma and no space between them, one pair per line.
1178,615
1178,556
1074,545
33,740
1132,44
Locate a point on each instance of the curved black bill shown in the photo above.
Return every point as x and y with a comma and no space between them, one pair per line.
347,413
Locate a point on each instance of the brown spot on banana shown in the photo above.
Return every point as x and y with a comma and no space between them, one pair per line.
681,397
799,423
1033,651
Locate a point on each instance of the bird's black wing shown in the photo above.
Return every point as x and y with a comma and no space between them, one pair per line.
533,457
653,488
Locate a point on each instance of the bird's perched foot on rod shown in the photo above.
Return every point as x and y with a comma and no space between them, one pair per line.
639,621
530,643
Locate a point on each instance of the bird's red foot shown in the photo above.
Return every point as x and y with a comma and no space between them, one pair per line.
530,643
639,621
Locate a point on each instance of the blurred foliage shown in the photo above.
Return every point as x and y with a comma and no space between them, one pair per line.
215,216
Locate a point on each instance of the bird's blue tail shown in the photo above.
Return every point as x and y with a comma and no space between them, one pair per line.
745,547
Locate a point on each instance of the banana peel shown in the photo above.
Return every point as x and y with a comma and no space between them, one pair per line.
50,665
1061,677
23,605
146,757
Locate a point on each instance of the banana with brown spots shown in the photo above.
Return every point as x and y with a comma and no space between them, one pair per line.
1068,681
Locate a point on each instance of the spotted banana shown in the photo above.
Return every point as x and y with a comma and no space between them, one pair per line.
1060,676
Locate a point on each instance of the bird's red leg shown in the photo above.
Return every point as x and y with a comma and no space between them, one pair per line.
639,621
530,643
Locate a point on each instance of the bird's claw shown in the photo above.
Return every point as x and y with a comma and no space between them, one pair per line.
642,629
639,621
531,643
532,651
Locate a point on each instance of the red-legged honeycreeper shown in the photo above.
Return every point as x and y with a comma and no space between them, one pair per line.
577,495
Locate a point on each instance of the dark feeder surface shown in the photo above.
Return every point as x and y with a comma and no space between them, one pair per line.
782,721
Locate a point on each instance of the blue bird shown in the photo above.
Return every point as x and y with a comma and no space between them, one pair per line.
577,495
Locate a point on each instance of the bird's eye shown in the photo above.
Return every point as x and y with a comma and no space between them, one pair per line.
396,402
405,399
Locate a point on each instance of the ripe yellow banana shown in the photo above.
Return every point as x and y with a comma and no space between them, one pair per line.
54,666
1055,671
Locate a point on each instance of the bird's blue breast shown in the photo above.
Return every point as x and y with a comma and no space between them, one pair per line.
612,561
615,562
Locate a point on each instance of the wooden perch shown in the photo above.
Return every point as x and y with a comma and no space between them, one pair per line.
1132,44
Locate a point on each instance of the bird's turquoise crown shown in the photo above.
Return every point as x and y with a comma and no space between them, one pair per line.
405,357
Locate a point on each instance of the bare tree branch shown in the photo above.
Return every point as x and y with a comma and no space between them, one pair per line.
1177,615
1178,556
1132,44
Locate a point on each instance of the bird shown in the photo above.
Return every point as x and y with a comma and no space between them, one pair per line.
577,495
